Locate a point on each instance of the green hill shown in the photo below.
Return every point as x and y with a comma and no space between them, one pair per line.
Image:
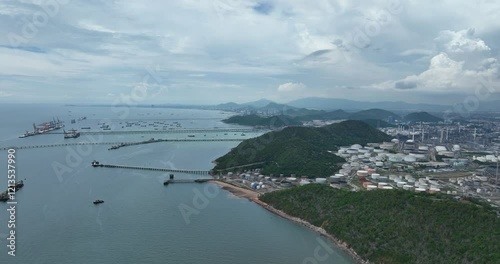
374,114
323,115
255,120
301,150
377,123
422,117
398,226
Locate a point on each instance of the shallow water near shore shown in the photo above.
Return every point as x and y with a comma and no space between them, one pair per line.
141,221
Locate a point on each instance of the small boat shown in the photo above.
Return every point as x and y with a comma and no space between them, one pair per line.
98,201
19,185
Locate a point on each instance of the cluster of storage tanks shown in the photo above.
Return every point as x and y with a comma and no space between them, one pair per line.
407,182
487,158
357,154
475,184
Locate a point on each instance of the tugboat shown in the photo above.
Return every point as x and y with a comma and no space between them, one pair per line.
71,134
98,201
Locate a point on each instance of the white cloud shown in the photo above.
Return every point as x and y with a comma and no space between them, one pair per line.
291,87
460,42
461,66
229,46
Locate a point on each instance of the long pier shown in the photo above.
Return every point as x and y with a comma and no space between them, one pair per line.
167,131
120,143
202,172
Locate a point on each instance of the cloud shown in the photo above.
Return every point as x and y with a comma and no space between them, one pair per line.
291,87
404,85
461,66
5,94
462,41
263,8
245,49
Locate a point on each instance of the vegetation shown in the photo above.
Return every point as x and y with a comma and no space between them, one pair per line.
294,116
398,226
377,123
422,117
379,114
255,120
301,150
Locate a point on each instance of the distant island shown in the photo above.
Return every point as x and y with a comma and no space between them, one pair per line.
398,226
259,121
422,117
292,117
301,150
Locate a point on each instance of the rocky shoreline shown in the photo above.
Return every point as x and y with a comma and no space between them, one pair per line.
238,191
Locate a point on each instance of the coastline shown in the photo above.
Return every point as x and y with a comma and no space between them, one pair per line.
253,196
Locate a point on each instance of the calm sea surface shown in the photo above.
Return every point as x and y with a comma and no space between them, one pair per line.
141,220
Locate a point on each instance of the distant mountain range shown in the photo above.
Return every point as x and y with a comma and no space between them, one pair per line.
311,105
422,117
333,103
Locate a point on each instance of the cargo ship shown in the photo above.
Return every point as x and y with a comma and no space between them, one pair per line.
71,134
44,128
5,196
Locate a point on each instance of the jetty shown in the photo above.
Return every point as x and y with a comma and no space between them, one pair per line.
169,131
152,140
198,172
121,144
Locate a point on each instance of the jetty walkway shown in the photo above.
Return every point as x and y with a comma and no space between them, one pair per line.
120,144
167,131
199,172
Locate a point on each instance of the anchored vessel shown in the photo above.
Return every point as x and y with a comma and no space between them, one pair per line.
71,134
44,128
5,195
98,201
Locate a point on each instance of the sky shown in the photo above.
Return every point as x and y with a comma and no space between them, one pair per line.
207,52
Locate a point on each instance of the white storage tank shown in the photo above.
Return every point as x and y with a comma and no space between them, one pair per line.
356,146
407,187
321,180
410,158
440,148
362,173
423,148
419,190
382,184
303,182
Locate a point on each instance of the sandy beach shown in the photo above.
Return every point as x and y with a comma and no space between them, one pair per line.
238,191
254,196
